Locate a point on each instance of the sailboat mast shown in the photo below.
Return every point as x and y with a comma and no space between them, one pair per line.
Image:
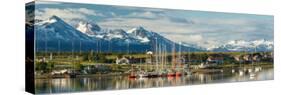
97,45
128,47
156,54
161,55
165,61
72,54
80,47
179,56
46,43
189,61
173,56
58,47
245,55
109,46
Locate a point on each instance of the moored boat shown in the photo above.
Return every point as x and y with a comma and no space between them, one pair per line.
171,74
178,74
153,74
241,72
143,75
133,75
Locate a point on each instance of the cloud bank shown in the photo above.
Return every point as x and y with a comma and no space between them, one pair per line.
205,29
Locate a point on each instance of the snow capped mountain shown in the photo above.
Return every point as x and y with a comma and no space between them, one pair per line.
54,32
116,34
90,29
141,34
55,28
90,35
135,35
242,45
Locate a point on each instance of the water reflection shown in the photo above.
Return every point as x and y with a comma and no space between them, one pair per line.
123,82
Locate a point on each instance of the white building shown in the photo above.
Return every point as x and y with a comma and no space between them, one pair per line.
122,60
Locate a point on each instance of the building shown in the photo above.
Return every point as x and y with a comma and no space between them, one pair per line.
257,57
237,58
122,60
247,57
213,59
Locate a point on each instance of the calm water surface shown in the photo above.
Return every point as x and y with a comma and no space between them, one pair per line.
123,82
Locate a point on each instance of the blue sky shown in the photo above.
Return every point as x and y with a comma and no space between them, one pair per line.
197,27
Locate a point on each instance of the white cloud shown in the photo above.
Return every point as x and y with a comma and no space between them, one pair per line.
47,2
177,32
186,38
146,14
197,39
157,25
205,33
67,14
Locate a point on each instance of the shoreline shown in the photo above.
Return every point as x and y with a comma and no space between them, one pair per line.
48,76
78,76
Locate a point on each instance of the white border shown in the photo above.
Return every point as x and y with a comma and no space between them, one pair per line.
12,46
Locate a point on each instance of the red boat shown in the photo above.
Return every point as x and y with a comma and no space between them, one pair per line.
178,73
171,74
133,75
163,74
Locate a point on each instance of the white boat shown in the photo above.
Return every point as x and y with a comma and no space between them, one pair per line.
250,70
142,75
252,75
233,70
203,65
241,73
257,69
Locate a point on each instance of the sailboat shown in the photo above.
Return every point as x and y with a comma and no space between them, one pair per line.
163,72
133,74
252,74
72,73
243,70
144,74
171,72
179,62
188,72
154,73
258,67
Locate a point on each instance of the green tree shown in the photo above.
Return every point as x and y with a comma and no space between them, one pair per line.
50,66
78,66
41,66
44,66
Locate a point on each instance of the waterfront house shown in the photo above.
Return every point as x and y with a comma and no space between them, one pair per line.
59,72
215,59
247,57
149,57
212,61
122,60
237,58
257,57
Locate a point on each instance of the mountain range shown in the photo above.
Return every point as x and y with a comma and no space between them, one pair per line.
54,34
242,45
